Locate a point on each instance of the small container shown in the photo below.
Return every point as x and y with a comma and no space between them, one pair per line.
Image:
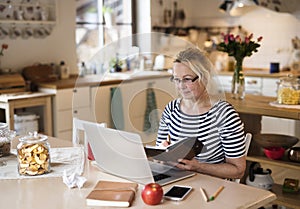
274,153
5,139
288,91
33,155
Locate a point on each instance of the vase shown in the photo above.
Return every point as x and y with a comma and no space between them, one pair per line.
238,81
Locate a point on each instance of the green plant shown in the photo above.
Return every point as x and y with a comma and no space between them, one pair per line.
116,64
107,9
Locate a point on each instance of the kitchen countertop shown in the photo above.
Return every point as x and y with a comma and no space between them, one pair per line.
116,78
264,73
106,79
260,105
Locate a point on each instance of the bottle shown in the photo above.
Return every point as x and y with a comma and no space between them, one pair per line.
33,153
82,70
64,70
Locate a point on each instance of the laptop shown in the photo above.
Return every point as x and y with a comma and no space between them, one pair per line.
122,154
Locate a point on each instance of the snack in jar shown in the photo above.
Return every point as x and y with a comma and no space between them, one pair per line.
5,139
288,91
33,153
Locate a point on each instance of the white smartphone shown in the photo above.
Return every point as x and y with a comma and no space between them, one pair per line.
177,192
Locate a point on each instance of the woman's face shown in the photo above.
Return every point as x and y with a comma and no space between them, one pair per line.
186,82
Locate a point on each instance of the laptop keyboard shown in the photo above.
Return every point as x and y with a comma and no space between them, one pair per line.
159,176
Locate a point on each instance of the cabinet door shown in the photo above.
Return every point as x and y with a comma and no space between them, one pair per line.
81,97
64,120
100,104
63,99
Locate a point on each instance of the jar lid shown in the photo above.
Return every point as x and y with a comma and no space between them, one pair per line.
289,79
33,138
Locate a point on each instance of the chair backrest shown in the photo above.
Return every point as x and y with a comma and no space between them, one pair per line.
76,135
248,138
77,127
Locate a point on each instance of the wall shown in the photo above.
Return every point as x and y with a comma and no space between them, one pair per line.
277,29
60,45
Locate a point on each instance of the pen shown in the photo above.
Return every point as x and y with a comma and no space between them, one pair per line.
216,193
203,194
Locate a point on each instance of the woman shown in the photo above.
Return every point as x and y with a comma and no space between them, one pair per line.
201,112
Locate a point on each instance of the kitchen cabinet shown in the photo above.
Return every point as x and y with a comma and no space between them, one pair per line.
134,102
69,103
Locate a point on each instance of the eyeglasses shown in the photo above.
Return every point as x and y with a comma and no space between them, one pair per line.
184,80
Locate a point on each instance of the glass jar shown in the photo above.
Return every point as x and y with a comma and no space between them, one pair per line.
5,139
33,155
288,91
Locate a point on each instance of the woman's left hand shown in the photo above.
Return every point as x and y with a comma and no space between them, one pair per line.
191,165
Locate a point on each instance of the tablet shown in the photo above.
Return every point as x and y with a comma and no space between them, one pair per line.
185,149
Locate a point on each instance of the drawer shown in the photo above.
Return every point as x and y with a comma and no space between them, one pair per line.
253,85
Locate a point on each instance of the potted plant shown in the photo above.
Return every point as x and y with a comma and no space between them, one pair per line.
115,65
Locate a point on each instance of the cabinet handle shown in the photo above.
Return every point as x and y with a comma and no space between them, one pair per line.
75,112
252,82
74,90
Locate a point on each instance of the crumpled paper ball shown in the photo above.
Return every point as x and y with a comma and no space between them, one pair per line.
73,180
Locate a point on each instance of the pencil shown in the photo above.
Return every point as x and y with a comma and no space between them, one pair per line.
203,194
168,139
216,193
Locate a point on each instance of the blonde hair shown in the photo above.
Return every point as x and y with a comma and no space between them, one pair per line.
198,61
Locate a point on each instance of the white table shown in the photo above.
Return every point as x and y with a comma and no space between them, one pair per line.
53,193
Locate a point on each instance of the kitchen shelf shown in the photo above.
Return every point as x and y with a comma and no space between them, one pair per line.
284,163
30,22
291,200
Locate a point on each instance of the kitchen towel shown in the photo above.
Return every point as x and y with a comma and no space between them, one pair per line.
116,105
151,120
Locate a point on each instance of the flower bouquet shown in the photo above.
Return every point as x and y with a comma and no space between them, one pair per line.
239,49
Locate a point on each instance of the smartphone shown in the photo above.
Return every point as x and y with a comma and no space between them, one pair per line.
177,192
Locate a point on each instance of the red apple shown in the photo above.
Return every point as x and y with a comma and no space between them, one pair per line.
152,194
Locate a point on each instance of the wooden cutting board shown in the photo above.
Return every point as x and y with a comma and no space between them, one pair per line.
11,83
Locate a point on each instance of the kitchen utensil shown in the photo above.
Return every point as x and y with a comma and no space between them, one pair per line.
259,177
294,154
275,140
274,153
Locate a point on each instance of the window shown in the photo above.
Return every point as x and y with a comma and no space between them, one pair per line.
93,31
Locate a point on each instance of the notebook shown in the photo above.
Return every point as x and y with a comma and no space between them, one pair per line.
112,193
122,154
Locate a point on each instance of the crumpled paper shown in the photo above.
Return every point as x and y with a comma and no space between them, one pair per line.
73,180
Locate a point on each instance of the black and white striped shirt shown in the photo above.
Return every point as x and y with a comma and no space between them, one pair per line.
220,130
